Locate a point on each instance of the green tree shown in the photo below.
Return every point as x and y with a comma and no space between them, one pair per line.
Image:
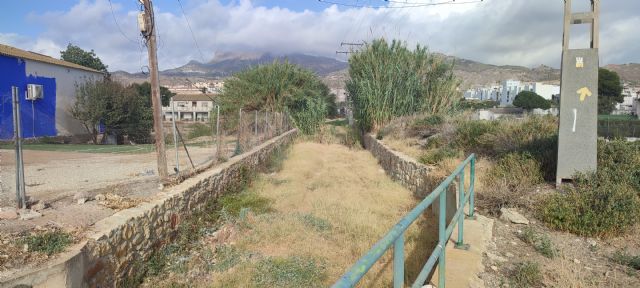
529,100
144,89
75,54
389,80
122,110
279,87
609,91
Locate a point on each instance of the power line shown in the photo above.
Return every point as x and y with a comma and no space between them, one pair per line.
407,4
192,34
118,25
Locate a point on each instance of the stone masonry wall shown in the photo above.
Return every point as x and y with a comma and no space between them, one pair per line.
400,167
411,174
117,243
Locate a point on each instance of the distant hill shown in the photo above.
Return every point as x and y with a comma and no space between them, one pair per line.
226,64
335,72
628,72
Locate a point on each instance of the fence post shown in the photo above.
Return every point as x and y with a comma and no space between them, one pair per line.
17,133
461,195
175,134
442,237
238,149
398,262
472,184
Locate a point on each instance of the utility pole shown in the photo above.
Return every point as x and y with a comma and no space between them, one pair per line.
149,34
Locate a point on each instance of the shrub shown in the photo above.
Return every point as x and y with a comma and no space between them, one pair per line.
596,206
49,242
542,243
509,181
315,222
526,274
468,133
624,258
289,272
199,130
620,160
435,156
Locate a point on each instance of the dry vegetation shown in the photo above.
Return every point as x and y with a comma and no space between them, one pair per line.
516,168
317,216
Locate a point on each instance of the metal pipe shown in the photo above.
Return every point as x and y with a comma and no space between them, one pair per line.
20,187
398,262
218,143
442,241
175,134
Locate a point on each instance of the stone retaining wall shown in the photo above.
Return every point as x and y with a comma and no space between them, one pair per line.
408,172
400,167
117,243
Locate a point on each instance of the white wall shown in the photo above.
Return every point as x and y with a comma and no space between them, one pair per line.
66,80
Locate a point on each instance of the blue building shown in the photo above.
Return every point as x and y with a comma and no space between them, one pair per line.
47,90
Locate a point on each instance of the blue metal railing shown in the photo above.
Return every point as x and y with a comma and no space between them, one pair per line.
395,237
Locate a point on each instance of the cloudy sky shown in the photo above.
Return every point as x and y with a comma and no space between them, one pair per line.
518,32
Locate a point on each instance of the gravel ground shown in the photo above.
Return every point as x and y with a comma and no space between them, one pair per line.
51,176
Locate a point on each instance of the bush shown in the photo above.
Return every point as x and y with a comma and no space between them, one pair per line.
526,274
289,272
596,206
530,100
542,243
49,242
199,130
624,258
468,133
435,156
509,181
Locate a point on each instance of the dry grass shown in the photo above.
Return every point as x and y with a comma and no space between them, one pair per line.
331,204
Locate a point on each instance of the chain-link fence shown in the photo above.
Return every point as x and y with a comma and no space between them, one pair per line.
619,128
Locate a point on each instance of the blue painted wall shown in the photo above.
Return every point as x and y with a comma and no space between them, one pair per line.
38,117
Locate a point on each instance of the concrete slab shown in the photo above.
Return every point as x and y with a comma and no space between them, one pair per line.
464,266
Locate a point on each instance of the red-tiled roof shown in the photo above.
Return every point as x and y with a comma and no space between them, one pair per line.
19,53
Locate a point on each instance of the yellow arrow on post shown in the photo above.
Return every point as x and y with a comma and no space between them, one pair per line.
584,92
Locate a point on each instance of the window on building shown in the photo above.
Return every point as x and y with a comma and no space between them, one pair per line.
194,104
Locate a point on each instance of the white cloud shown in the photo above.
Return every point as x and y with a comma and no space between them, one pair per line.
495,31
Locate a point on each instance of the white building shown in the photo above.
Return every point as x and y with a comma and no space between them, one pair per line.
547,91
484,93
193,107
629,105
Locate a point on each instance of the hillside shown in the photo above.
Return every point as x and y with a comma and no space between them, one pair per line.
628,72
335,72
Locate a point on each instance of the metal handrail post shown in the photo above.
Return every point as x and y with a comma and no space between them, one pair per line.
442,237
472,182
461,201
398,262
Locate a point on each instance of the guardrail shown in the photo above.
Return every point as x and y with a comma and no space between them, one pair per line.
395,236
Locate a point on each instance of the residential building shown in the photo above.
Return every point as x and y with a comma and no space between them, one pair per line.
629,105
509,89
47,89
189,107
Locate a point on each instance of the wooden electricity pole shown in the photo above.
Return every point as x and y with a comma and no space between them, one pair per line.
149,33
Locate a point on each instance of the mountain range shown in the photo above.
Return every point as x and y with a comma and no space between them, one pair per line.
335,72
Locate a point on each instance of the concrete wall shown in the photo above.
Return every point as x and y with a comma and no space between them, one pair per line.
66,80
130,236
